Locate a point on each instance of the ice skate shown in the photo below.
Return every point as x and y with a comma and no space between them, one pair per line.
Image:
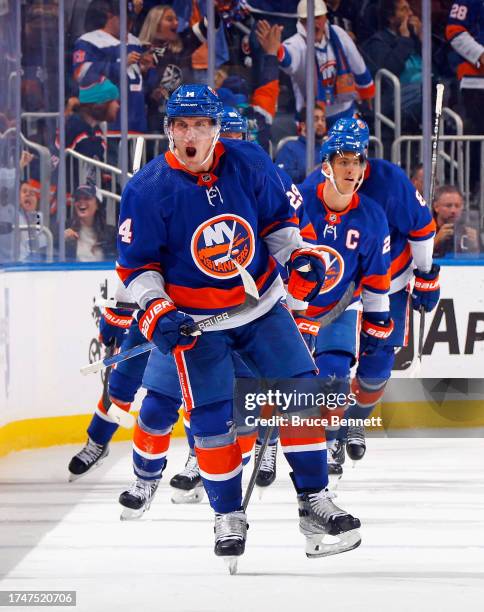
187,485
137,499
356,443
267,472
336,458
92,455
319,518
230,535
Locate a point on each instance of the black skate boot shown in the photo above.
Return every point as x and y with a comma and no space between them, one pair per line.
137,499
267,472
318,517
356,443
336,457
230,535
91,455
187,485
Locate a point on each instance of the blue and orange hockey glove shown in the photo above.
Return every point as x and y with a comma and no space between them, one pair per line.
307,272
113,325
309,329
162,324
426,290
375,331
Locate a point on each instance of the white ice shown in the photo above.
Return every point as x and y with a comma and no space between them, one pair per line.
420,501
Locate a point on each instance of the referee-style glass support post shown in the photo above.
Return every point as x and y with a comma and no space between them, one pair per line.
211,42
310,70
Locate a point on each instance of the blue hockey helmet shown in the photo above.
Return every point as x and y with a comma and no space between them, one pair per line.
232,121
347,134
194,101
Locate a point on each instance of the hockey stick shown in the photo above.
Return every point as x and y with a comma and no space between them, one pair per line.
251,300
115,413
325,321
433,172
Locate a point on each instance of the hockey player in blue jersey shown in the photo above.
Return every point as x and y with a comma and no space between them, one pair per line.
348,228
184,217
412,231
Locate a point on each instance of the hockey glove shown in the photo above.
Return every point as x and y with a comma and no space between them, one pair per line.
426,290
307,272
375,331
161,323
113,325
309,329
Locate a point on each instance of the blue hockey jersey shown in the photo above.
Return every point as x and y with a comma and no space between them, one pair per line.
97,55
179,230
356,247
412,228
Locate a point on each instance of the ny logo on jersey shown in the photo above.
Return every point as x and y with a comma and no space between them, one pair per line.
214,196
331,230
218,241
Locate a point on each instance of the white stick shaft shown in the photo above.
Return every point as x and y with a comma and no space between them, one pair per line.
439,99
138,153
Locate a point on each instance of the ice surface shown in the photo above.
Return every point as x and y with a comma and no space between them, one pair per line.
420,501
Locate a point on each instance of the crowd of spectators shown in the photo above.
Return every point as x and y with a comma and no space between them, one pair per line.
261,57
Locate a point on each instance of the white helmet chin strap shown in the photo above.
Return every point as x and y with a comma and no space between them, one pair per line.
171,143
330,176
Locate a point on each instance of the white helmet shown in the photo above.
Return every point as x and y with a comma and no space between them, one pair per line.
319,9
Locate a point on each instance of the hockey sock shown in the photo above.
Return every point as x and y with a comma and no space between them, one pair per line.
219,455
152,433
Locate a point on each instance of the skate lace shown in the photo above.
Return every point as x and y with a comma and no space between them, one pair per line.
142,489
231,525
191,469
334,450
356,433
269,458
322,505
90,452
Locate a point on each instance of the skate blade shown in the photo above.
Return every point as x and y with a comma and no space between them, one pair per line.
333,481
343,542
260,492
129,514
121,417
194,496
73,477
231,563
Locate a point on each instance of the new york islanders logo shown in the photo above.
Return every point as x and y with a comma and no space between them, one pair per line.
335,267
219,240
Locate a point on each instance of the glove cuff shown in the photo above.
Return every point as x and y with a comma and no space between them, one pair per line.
155,310
380,331
117,318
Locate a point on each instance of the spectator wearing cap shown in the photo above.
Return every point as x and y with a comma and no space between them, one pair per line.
88,237
292,155
97,57
97,103
342,77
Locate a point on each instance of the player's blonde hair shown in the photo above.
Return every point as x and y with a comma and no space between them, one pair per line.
148,34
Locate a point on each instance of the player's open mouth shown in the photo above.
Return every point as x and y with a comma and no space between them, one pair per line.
191,151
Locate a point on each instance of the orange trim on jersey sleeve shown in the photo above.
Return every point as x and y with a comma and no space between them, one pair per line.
125,273
309,232
377,281
367,92
452,30
428,229
467,69
402,261
219,461
269,228
266,97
